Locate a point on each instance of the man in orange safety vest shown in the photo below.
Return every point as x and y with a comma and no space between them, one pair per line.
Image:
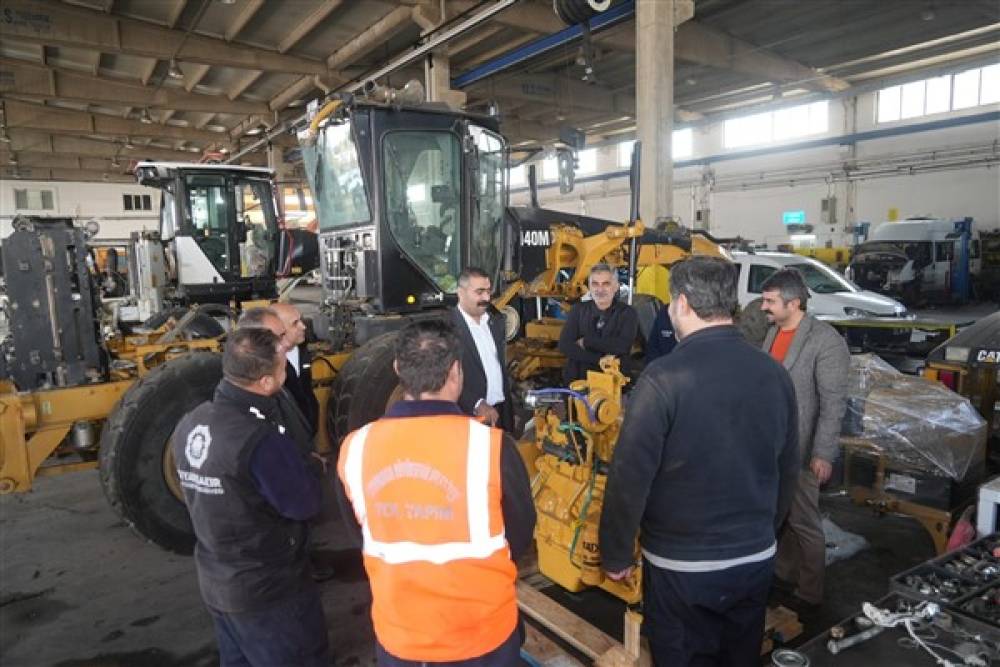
442,506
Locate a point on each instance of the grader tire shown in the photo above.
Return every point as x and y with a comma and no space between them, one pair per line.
133,462
363,388
752,323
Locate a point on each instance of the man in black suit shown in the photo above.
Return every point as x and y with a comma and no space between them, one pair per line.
298,380
480,328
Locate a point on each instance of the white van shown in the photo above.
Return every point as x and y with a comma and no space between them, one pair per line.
912,259
831,296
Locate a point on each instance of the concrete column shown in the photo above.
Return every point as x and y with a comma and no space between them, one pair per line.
654,79
437,81
850,217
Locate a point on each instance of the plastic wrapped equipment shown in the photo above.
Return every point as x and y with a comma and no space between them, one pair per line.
913,421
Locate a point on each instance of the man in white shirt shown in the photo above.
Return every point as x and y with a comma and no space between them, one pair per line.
299,376
486,388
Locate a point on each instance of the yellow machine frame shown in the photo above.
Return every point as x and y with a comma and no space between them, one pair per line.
33,425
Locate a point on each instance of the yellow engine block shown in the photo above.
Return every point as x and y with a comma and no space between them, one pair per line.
571,451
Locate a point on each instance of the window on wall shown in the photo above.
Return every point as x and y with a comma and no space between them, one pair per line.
137,202
586,161
780,125
550,169
682,146
518,176
34,200
989,85
682,143
951,92
625,153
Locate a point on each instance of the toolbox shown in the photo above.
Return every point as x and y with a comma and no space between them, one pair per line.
966,581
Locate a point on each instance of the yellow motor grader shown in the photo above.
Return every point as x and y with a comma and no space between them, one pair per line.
406,196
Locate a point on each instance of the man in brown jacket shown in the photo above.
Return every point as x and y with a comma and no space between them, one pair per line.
818,361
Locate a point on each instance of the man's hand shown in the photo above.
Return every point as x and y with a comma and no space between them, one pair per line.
821,469
621,574
488,413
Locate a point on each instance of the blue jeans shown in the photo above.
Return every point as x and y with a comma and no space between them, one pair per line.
289,633
706,619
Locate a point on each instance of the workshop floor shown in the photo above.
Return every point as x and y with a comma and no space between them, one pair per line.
78,589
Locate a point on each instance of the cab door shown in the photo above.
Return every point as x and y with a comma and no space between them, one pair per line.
206,247
937,276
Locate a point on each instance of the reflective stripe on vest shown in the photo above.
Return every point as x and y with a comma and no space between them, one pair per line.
480,545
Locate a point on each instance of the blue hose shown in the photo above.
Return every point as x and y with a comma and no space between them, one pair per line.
570,392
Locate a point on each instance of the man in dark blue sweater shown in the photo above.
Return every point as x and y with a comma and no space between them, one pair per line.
704,469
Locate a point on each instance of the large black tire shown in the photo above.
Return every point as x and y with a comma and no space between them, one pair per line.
363,388
752,322
133,463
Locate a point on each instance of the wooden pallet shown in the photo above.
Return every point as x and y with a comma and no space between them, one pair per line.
781,625
597,647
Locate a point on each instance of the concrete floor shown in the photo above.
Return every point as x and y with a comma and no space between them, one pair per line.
78,589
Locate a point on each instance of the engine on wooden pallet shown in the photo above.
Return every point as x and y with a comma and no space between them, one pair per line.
575,433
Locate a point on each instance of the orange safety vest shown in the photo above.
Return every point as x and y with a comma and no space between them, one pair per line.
426,493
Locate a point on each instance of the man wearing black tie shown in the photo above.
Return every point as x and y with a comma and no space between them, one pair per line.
299,376
486,386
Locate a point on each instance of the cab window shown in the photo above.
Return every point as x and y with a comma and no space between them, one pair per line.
423,183
944,251
759,273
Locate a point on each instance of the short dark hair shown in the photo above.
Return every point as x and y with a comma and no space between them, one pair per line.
790,284
708,283
471,272
250,354
254,317
425,352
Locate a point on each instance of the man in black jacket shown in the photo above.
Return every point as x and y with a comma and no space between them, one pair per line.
299,380
598,327
707,474
250,496
480,329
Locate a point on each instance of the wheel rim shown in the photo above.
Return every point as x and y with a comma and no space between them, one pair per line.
170,472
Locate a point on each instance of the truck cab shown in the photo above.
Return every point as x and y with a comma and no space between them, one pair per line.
406,197
917,259
219,226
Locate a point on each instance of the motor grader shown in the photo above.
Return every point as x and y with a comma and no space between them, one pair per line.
406,196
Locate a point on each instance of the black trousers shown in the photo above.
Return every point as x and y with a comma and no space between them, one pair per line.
508,654
706,619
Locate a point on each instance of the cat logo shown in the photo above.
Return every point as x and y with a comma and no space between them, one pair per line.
536,237
198,442
989,356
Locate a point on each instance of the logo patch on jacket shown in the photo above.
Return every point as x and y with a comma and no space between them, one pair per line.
198,442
